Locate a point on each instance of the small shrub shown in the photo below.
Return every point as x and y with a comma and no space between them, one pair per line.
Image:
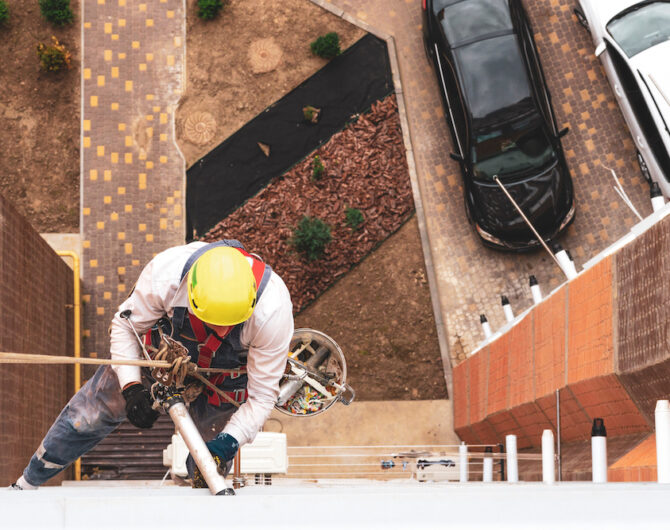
353,217
310,237
311,114
57,11
326,46
317,168
4,13
208,9
53,58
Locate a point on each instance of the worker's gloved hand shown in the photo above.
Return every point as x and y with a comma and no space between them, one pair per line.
223,448
138,406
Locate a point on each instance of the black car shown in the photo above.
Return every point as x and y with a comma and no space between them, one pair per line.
500,115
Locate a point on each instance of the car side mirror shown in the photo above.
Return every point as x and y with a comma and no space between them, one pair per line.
601,48
563,132
456,157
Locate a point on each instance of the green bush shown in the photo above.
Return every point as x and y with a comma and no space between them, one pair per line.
53,58
310,237
353,217
327,46
57,11
208,9
4,12
317,168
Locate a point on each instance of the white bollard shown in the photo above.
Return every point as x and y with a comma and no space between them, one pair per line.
599,451
463,461
512,459
507,309
657,199
567,265
548,466
486,327
535,290
487,473
662,417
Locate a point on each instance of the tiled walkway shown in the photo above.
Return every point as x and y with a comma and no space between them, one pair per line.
132,171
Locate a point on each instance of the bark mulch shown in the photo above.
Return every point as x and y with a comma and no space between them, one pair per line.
365,168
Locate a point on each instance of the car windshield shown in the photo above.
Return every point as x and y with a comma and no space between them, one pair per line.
474,20
641,28
510,150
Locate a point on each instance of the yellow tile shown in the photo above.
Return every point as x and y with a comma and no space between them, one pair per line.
122,22
135,44
108,55
122,3
142,227
87,25
93,354
176,223
170,200
93,263
107,199
101,150
128,248
150,97
86,211
121,288
163,137
150,164
129,86
108,27
87,73
163,224
142,155
143,181
143,67
128,208
150,131
101,2
143,7
100,310
170,60
107,295
163,159
122,126
115,72
121,190
100,225
121,236
163,117
86,244
101,80
177,42
115,158
155,108
115,36
149,22
87,125
128,158
107,175
129,141
121,270
149,57
170,14
93,174
114,216
94,101
87,141
136,263
177,209
122,55
149,238
114,106
177,194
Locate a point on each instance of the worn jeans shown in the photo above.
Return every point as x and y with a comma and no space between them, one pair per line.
92,414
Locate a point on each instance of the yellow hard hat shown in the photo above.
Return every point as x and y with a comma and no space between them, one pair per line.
221,287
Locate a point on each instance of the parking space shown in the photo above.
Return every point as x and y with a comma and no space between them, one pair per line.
471,278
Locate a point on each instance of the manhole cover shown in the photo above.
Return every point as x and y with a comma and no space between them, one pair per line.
264,55
199,127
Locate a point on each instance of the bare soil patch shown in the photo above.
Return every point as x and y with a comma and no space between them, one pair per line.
39,113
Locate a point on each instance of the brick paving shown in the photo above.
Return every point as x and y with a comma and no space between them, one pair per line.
132,182
471,278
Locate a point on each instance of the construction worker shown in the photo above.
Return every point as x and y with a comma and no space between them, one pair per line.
229,309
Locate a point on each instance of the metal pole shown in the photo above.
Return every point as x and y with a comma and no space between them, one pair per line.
558,433
501,450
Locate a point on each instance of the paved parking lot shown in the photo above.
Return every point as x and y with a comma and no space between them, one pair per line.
471,278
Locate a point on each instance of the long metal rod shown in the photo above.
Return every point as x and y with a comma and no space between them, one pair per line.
537,235
558,431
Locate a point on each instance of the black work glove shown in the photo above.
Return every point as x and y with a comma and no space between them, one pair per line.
138,406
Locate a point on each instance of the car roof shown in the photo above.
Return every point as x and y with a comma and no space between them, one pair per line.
466,21
494,80
652,63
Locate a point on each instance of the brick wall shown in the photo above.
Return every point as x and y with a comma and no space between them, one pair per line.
601,339
36,297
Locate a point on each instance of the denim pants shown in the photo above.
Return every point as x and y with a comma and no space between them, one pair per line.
92,414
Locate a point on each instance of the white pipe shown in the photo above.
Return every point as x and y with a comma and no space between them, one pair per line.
488,468
486,327
535,290
662,417
599,451
463,461
548,467
657,199
512,459
566,264
507,309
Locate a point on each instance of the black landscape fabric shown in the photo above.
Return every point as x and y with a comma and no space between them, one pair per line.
237,169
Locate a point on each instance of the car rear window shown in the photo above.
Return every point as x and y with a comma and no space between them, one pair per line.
475,19
642,28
